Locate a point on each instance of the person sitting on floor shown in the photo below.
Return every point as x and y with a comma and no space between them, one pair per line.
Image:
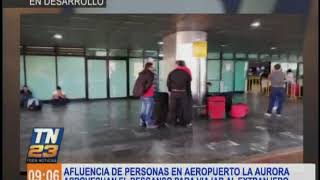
59,97
28,101
25,95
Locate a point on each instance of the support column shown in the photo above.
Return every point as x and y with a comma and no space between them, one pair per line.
11,119
179,46
311,87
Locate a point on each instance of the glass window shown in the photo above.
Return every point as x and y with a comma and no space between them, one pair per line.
161,54
283,57
293,58
163,73
135,66
227,55
293,67
97,78
136,53
253,56
71,76
118,78
227,76
241,68
241,56
41,75
264,56
96,52
21,72
213,70
150,53
118,52
213,74
300,58
285,66
300,69
214,55
275,57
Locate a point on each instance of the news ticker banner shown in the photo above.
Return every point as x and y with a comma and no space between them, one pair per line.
63,171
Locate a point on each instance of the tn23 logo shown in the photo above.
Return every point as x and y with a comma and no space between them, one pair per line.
45,145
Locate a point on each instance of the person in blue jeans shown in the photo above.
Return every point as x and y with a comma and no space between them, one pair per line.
147,112
277,95
147,99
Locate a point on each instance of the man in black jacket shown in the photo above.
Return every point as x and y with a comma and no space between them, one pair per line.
179,86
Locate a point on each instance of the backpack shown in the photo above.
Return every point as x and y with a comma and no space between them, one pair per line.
138,88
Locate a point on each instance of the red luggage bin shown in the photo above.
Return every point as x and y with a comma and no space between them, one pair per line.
239,110
295,90
217,107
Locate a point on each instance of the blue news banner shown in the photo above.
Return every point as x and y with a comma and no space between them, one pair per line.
188,172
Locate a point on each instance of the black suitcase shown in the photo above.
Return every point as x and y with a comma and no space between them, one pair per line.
161,108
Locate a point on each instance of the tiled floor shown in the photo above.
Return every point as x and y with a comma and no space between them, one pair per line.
107,131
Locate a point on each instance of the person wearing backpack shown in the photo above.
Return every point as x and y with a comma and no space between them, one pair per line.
145,89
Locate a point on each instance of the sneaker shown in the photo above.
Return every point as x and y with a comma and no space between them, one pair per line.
142,124
152,126
267,114
189,125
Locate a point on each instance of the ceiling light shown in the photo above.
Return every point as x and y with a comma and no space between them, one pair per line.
223,45
255,24
160,42
57,36
273,48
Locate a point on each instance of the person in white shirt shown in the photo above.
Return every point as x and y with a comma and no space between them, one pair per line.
290,80
59,97
290,77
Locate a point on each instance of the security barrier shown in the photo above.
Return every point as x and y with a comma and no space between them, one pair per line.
253,85
294,90
265,87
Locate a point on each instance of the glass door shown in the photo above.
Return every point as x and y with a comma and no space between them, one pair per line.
240,75
97,79
213,75
135,66
118,78
227,76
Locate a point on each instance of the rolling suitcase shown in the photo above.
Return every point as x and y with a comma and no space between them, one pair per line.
161,108
217,107
239,110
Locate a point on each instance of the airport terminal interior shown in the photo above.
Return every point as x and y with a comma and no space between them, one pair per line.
96,60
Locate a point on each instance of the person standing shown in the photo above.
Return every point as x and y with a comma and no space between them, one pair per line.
290,79
145,89
180,103
277,78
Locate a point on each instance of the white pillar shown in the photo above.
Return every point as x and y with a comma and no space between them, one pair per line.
178,46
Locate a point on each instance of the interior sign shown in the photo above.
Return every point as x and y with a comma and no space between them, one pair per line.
68,3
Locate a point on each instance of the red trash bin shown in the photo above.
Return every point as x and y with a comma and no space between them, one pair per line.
217,107
239,110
